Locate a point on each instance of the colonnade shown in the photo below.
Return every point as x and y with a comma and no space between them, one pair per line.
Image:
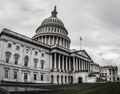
69,64
113,71
61,79
54,40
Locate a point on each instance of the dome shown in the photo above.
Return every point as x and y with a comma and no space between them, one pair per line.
52,32
52,21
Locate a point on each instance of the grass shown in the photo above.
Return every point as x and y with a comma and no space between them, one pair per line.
95,88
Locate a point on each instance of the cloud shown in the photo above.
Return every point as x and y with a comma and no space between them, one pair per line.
96,21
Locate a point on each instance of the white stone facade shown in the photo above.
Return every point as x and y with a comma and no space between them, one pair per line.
45,58
109,73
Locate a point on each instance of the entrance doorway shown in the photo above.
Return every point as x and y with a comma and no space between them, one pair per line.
79,79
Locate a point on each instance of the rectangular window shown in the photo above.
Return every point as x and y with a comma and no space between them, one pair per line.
15,74
35,64
25,76
35,76
6,73
41,77
16,61
7,58
42,65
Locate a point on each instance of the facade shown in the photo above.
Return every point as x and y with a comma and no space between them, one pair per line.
109,73
45,58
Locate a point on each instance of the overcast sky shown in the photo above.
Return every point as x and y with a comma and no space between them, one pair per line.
96,21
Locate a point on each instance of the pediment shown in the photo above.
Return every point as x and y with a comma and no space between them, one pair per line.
84,54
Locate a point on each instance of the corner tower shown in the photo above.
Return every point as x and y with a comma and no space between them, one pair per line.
52,32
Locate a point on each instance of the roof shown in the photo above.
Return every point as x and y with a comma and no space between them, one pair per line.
109,67
22,38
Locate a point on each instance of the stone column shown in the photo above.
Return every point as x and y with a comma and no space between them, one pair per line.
54,60
74,64
59,62
63,63
66,44
78,64
88,66
82,64
57,41
69,64
53,40
66,64
60,40
45,39
85,65
63,42
42,39
49,40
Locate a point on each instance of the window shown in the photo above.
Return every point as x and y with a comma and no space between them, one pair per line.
35,63
25,76
42,54
35,76
26,59
41,77
15,74
17,47
8,54
52,79
16,57
36,53
42,64
9,45
58,79
6,73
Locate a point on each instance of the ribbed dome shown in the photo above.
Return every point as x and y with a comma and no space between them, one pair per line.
52,21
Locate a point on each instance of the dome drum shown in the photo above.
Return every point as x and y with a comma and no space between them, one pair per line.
53,40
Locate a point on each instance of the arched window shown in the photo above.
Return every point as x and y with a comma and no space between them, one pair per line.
8,55
16,58
36,53
35,62
42,64
9,45
26,59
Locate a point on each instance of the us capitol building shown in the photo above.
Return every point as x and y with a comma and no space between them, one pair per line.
44,58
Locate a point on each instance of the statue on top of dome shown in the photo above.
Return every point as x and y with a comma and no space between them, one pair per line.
54,12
